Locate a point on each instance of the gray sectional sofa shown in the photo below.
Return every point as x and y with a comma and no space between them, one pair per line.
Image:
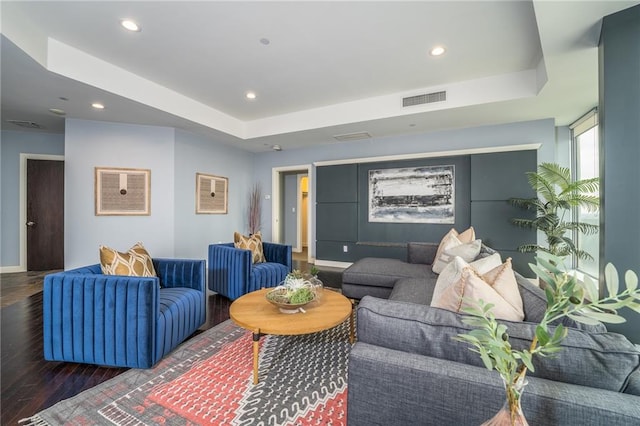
406,369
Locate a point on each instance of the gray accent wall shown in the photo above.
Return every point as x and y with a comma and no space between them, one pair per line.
619,116
12,144
496,177
490,137
483,185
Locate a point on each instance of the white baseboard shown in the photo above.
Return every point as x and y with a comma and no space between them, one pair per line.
333,263
11,269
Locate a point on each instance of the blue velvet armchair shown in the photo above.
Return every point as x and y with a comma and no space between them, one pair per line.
232,273
122,321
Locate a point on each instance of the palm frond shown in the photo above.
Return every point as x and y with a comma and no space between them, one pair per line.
530,248
525,203
555,174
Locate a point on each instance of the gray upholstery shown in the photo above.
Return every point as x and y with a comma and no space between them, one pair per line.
601,360
406,369
395,388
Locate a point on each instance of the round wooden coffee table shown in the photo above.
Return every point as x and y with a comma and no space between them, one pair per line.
253,312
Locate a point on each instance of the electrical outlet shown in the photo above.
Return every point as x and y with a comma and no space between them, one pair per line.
345,249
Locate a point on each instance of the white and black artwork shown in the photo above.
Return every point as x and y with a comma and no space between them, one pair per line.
423,194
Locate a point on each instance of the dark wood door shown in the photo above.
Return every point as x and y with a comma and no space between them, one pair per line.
45,215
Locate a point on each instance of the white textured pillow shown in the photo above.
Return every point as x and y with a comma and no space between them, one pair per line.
451,273
454,247
498,287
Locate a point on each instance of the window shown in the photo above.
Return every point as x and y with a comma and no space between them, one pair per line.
585,160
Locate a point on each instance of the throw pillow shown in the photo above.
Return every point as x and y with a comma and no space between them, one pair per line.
452,247
498,287
451,273
253,243
136,262
466,237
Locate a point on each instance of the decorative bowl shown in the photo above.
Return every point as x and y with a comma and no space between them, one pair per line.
288,300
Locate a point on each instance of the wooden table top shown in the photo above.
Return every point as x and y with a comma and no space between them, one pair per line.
253,312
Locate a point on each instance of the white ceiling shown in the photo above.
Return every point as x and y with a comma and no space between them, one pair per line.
330,68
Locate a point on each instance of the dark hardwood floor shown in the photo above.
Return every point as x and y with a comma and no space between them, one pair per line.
29,383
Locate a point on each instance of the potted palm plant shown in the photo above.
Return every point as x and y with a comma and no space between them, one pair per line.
557,194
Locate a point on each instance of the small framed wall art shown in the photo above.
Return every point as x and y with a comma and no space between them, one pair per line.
211,194
122,192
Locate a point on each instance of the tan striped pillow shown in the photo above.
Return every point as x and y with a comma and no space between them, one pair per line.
135,263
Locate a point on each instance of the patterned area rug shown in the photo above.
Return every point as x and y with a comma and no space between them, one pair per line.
208,381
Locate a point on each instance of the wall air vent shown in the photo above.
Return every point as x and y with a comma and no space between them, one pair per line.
27,124
352,136
424,99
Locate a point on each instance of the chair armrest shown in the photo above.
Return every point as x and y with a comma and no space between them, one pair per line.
278,253
229,269
87,318
181,273
424,253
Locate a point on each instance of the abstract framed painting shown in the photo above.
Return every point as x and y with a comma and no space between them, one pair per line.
423,194
122,192
211,194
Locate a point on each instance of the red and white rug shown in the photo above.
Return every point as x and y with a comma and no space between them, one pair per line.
208,381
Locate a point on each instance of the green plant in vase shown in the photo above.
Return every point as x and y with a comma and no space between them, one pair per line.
566,297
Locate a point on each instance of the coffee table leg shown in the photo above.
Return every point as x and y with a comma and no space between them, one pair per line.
256,355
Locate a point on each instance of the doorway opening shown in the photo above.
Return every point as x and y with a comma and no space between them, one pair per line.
292,212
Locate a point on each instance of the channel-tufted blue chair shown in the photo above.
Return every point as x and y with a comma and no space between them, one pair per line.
122,321
232,273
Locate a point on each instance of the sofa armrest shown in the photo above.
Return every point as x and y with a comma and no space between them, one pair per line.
278,253
426,390
424,253
181,273
87,318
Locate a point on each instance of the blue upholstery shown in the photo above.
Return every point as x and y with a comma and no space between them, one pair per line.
232,274
119,320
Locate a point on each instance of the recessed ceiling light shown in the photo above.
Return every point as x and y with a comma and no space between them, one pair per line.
57,111
97,105
437,51
265,41
250,95
130,25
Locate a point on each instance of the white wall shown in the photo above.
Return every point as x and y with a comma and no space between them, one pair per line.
14,143
90,144
505,135
173,229
196,154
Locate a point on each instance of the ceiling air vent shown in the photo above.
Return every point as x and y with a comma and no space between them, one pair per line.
27,124
352,136
425,99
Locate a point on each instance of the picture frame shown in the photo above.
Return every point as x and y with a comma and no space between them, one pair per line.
211,194
122,191
423,194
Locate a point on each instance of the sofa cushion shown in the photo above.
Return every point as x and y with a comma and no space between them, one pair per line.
414,290
383,272
253,243
497,287
135,263
600,360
